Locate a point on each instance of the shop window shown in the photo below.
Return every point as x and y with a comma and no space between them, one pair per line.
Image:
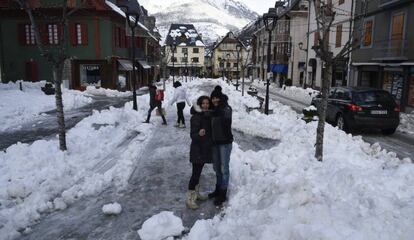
393,82
90,75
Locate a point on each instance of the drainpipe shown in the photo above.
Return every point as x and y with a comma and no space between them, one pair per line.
307,47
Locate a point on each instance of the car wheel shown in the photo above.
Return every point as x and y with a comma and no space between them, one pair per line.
340,123
388,131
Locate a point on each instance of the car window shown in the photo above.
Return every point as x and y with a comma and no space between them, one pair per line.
331,93
373,97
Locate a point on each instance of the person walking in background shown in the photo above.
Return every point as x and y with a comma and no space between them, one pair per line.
180,97
156,98
222,136
200,150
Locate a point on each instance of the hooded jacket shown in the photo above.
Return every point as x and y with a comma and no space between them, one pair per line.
221,121
201,146
180,95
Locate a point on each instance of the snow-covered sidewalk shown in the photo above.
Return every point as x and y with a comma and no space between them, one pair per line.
38,178
19,107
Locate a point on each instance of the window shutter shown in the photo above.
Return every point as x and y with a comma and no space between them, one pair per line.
72,33
21,34
84,30
60,32
44,34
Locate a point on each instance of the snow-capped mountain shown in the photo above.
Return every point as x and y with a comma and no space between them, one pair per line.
212,18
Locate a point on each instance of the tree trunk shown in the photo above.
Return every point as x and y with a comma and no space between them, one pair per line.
57,77
322,113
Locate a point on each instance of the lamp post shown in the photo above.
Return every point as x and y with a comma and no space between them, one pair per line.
221,60
186,70
270,20
306,64
238,48
228,71
133,10
173,47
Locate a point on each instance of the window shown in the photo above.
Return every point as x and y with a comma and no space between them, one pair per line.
368,33
228,65
184,50
195,50
341,2
195,59
29,34
221,64
338,36
397,32
174,59
78,34
235,65
184,59
52,33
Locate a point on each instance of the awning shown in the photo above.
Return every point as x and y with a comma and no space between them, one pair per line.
279,68
125,65
144,64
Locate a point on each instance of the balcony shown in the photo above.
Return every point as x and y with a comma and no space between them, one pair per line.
386,3
396,49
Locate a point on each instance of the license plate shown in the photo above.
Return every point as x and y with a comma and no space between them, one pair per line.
379,112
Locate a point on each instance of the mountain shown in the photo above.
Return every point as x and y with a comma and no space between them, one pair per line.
212,18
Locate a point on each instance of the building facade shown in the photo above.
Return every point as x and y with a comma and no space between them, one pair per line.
99,47
227,61
385,58
189,51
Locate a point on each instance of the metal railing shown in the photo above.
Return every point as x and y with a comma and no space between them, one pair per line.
392,49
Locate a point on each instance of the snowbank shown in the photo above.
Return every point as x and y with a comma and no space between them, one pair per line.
19,107
359,191
38,178
106,92
406,123
160,226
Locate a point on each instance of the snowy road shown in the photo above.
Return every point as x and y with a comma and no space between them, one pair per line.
399,143
47,126
158,183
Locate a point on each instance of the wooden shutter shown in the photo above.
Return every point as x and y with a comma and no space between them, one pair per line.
338,36
316,38
60,32
84,33
368,33
21,32
72,34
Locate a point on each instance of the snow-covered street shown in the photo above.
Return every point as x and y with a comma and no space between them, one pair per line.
277,188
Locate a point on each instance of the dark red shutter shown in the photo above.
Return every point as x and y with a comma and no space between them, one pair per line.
72,34
84,31
44,33
60,32
4,3
21,32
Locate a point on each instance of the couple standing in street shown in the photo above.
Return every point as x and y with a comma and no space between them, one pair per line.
212,140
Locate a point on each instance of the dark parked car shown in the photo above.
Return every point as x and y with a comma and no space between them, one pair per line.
352,108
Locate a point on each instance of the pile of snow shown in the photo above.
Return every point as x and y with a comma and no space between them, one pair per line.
112,209
161,226
106,92
406,123
39,178
19,107
359,191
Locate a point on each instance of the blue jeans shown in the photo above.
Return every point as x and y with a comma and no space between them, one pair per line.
221,160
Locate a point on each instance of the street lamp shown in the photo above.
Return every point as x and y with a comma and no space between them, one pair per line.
186,70
133,9
238,48
228,70
173,47
270,20
221,60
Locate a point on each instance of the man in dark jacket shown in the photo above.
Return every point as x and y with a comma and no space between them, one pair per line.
154,103
222,143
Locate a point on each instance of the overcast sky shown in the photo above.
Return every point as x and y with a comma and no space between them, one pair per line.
260,6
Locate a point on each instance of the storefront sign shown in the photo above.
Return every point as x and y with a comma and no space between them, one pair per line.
90,67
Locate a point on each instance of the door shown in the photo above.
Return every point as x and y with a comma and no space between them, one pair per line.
31,71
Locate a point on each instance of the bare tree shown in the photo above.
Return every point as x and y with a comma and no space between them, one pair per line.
55,55
325,17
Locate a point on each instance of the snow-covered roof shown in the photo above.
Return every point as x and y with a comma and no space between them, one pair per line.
184,35
120,12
